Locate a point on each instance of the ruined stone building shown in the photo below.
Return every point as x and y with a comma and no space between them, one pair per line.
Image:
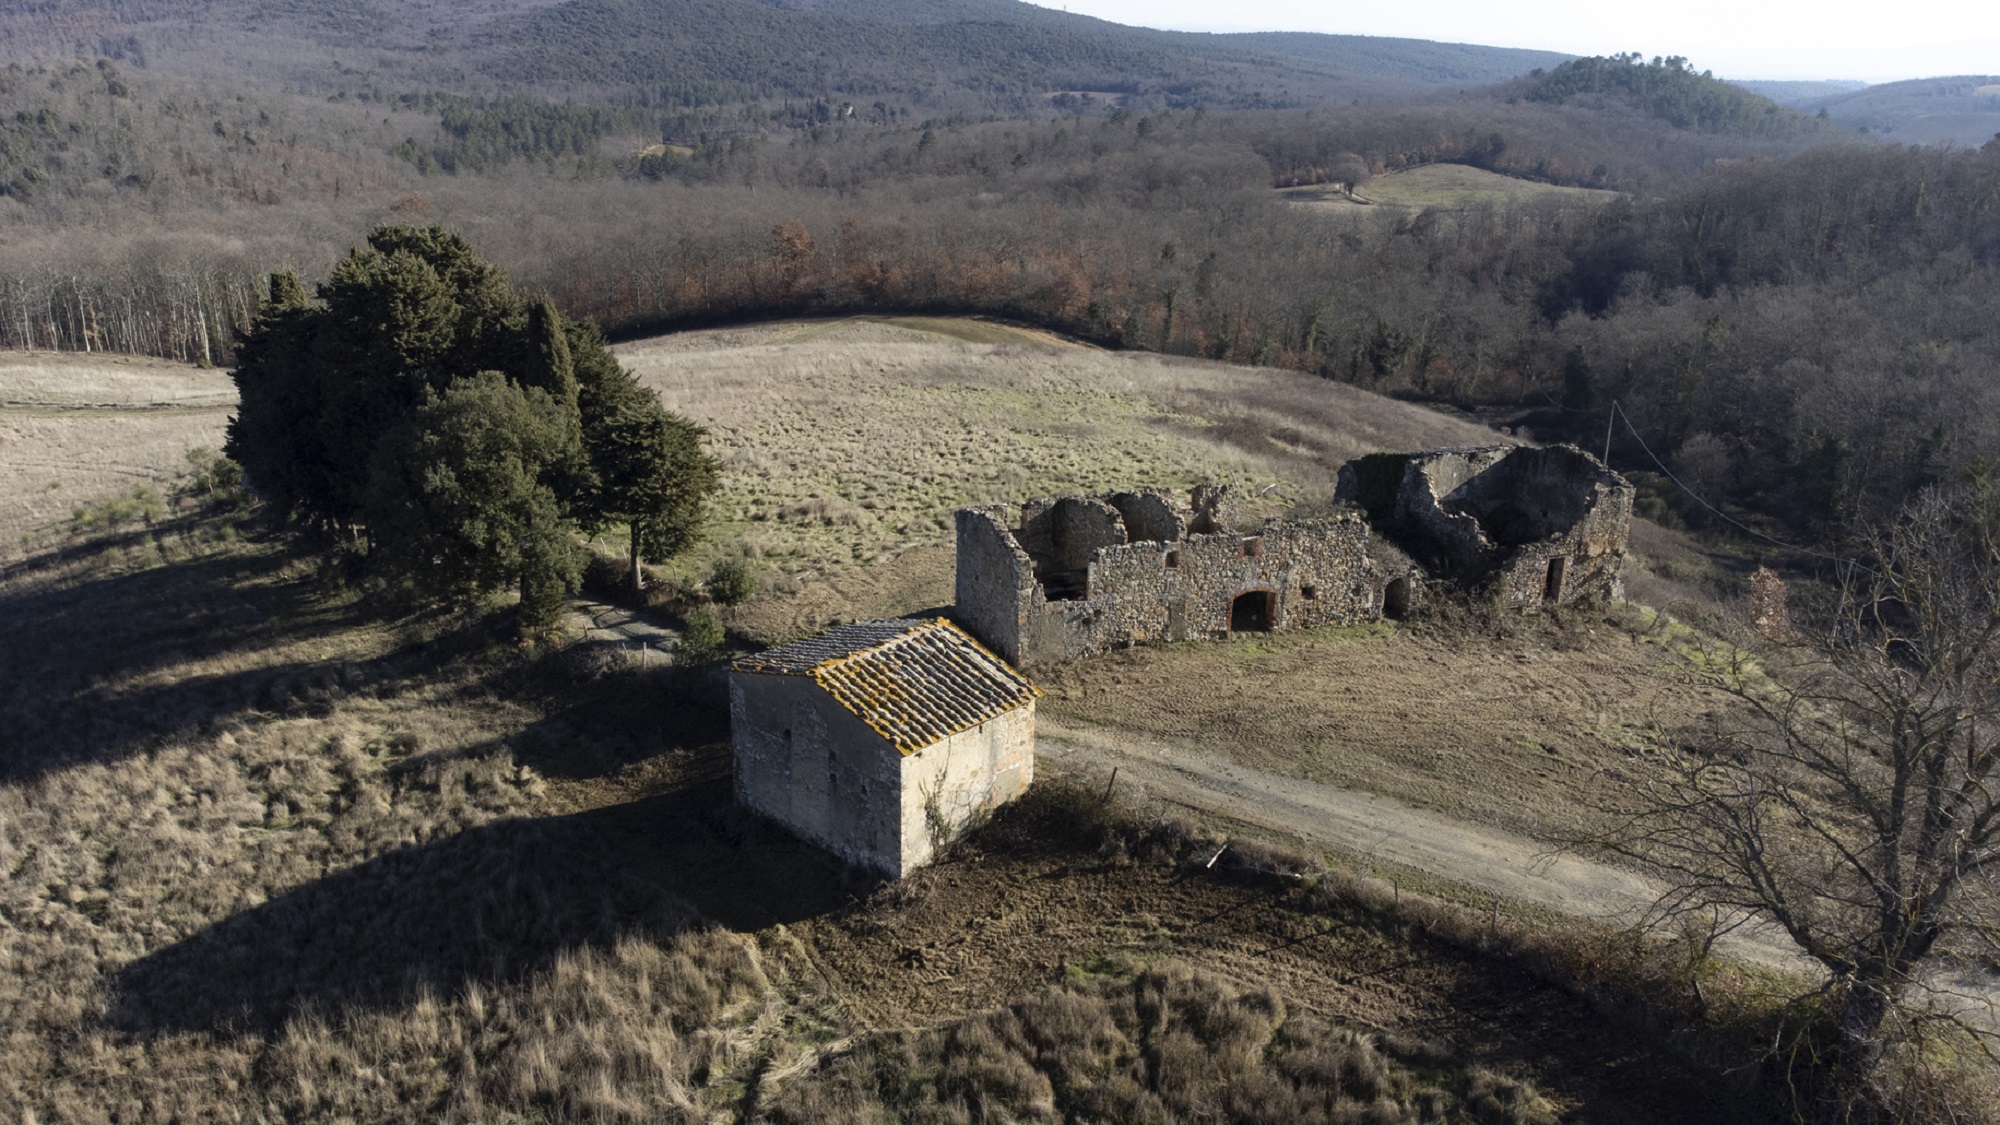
1067,577
1525,527
882,739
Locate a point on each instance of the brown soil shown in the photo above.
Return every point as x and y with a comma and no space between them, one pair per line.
1523,729
1006,915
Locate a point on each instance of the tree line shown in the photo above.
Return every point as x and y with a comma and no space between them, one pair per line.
1804,328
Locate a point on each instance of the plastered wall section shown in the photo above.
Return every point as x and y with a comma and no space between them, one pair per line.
963,778
813,766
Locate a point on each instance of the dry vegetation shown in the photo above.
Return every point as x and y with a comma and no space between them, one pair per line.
1525,728
266,854
849,442
269,857
76,430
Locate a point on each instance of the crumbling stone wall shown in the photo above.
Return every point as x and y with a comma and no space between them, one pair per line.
1017,588
996,587
1151,516
1527,527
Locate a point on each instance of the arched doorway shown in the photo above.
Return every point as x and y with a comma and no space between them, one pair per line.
1396,599
1253,612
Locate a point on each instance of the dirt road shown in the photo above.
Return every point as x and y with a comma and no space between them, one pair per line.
1381,830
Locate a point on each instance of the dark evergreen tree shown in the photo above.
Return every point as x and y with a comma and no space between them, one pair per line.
646,468
464,496
460,430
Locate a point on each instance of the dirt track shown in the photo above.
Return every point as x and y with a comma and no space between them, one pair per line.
1377,830
1373,829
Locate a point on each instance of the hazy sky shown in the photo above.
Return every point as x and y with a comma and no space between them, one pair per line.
1876,42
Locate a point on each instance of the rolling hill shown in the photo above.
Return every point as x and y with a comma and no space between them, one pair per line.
955,55
1964,110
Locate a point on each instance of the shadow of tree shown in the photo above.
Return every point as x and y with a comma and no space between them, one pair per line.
104,668
493,904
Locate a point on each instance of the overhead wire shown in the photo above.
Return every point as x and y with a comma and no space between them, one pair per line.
1618,414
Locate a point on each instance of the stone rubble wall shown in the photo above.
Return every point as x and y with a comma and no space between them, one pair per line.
996,581
1318,572
1152,515
1062,535
1492,519
1593,554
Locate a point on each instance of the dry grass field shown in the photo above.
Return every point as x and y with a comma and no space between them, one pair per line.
268,853
77,429
851,442
267,856
1525,730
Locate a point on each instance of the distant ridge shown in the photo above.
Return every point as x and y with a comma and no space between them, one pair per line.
1957,110
1798,93
943,55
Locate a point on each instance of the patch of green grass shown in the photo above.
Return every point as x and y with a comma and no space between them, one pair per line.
969,330
1448,187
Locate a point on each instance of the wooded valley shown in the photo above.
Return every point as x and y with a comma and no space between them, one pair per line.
1794,317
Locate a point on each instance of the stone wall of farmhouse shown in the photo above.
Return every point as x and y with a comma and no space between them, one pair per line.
1150,516
1061,535
1308,573
1583,564
1531,527
810,764
949,784
996,581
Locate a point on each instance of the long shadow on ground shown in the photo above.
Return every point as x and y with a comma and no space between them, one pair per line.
491,905
235,634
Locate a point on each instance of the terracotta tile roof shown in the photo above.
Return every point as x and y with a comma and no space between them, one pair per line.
913,681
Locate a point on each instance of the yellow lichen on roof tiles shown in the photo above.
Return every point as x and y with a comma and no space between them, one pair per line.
927,681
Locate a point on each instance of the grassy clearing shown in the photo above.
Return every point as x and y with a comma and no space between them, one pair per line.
77,430
847,443
1447,187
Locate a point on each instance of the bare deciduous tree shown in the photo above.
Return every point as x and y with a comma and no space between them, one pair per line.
1853,801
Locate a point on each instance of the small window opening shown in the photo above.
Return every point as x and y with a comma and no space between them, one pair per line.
1309,592
1252,548
1552,585
1173,559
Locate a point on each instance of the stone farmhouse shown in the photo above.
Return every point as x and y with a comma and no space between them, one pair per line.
1525,527
1067,577
881,740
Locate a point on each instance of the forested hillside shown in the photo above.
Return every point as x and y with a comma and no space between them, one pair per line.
931,56
1799,317
1964,110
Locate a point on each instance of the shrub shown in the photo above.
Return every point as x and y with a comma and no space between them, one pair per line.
606,576
216,480
142,503
703,643
731,582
